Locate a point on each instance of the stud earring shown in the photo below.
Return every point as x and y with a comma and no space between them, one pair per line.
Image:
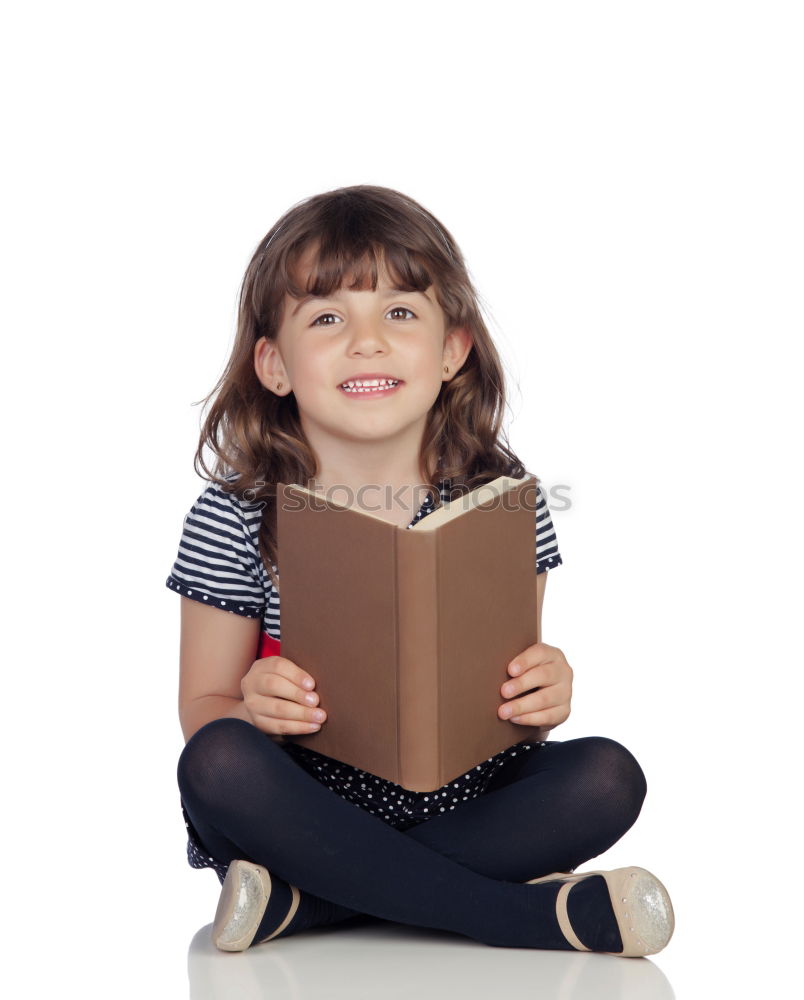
446,369
279,385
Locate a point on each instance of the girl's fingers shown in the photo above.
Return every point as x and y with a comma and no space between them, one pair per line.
275,685
549,718
545,675
542,676
537,701
285,707
543,708
294,673
285,717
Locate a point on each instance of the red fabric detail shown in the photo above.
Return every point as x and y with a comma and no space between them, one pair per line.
268,646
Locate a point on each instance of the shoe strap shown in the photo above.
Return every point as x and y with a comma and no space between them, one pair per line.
564,920
289,916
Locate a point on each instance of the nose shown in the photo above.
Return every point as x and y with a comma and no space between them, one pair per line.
367,337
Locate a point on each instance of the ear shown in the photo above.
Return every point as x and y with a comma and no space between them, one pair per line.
457,345
269,367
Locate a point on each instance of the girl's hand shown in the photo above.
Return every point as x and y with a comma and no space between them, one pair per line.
279,698
543,667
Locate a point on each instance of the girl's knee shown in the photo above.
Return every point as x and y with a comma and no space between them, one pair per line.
216,751
619,773
612,771
218,731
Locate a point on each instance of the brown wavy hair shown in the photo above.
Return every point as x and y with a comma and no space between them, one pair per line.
257,437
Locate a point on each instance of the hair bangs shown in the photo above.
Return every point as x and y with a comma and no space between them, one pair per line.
357,266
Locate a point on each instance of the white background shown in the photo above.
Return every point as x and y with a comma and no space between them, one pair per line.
624,180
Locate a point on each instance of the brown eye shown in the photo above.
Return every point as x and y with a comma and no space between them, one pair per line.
402,309
325,316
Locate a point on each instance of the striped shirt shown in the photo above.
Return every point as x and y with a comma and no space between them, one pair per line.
219,562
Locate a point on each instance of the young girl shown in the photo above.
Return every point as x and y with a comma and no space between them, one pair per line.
362,368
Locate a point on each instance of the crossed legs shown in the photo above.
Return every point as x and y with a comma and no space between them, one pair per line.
548,810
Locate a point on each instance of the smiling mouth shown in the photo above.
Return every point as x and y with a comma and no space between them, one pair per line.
371,387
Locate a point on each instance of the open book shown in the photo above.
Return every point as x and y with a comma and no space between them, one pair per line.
408,632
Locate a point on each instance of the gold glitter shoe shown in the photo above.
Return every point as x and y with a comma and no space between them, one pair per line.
641,907
243,901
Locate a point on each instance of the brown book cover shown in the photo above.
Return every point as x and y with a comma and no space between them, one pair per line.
408,632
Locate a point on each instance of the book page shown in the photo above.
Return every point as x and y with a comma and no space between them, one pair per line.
483,494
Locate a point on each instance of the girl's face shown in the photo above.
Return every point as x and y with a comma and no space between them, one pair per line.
322,343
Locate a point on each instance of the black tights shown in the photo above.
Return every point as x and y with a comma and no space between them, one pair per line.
546,810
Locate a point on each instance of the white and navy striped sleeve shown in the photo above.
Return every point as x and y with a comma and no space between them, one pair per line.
218,562
547,554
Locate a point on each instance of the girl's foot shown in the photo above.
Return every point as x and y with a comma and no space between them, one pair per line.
636,900
256,905
251,899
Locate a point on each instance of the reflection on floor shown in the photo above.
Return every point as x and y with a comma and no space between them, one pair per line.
367,958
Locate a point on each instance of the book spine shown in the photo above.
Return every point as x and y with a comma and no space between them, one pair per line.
419,723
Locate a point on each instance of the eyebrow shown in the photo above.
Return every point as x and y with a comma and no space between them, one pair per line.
389,294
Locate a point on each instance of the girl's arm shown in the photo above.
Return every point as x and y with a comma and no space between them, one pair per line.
217,651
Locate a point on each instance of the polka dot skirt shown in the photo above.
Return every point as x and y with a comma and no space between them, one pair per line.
395,805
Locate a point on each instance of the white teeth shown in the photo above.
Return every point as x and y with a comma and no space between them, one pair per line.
361,385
